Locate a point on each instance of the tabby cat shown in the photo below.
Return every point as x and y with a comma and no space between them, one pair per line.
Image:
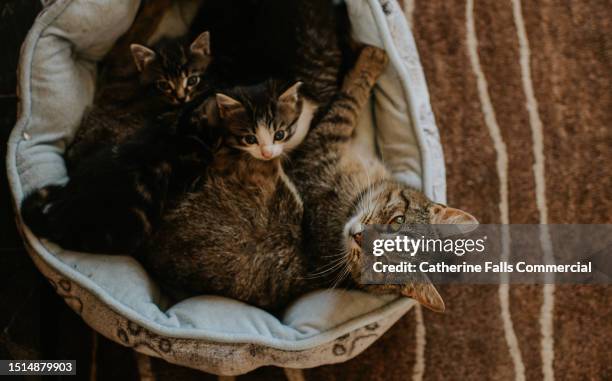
267,119
344,189
175,70
238,233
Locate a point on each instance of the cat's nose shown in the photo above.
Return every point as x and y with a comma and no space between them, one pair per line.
356,232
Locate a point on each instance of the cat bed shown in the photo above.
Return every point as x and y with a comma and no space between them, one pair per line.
113,294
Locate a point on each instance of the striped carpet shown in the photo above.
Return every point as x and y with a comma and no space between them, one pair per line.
522,96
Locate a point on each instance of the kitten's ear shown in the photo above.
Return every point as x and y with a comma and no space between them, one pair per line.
292,94
142,56
226,104
426,294
443,215
201,45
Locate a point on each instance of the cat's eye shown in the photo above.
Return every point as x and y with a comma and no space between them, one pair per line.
396,223
193,80
279,135
399,220
163,85
250,139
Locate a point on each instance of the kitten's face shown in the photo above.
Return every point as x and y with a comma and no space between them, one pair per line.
259,120
175,70
391,203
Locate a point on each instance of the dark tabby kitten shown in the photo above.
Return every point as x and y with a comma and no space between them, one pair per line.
170,73
344,189
173,68
116,196
239,232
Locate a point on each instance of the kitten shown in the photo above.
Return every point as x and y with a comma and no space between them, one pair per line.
173,69
170,74
265,120
343,190
238,233
115,197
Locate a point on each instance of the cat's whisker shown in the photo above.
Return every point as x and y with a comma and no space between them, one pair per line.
334,265
341,276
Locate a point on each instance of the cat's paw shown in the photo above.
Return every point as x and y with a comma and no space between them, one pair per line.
374,59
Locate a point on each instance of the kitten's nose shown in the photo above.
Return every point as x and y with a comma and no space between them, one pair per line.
267,153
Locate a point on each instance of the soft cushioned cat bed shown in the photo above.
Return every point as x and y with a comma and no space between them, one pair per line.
113,294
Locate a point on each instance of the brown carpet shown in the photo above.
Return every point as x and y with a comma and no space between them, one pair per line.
570,66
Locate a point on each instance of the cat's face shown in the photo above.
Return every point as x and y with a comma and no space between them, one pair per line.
395,204
175,70
261,120
392,203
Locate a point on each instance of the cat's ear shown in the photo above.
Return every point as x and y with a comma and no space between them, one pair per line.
443,215
226,104
292,94
142,56
426,294
201,45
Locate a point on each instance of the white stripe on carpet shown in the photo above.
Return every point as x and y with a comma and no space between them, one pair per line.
502,172
420,341
548,304
409,12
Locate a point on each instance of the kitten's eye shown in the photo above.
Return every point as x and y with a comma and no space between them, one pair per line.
163,85
279,135
193,80
250,139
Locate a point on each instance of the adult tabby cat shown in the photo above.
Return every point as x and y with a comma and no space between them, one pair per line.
343,189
